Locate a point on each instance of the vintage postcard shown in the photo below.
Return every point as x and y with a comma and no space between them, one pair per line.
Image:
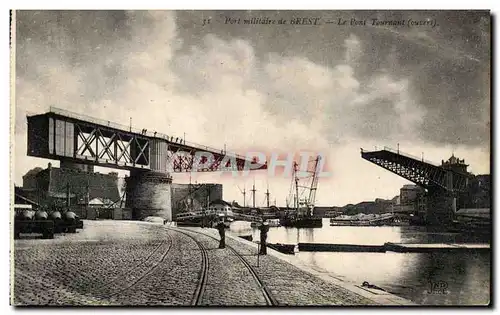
251,158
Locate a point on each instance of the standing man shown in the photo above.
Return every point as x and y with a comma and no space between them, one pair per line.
222,233
264,228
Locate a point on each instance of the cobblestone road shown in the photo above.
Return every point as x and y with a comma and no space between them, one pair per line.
133,263
229,280
292,286
109,263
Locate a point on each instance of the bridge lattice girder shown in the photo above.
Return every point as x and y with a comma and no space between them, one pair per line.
184,158
419,172
104,145
71,137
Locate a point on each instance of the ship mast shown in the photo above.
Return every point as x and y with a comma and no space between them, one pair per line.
244,197
267,195
296,187
314,187
253,195
190,191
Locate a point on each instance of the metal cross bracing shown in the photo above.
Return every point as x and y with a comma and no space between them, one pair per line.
131,149
421,173
185,158
128,149
110,146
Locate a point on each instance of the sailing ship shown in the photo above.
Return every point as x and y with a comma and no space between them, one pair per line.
301,215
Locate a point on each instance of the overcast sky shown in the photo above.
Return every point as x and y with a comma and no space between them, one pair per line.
278,88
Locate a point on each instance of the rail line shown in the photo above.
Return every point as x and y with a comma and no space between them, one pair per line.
200,288
270,300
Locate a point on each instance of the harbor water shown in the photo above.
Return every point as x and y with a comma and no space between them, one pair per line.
425,278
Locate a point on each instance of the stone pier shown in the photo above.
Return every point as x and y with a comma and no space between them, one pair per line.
149,194
439,207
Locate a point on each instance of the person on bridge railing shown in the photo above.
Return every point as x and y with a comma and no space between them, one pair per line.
264,228
222,233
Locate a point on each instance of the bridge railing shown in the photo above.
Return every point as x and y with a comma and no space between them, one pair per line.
409,155
171,138
396,151
94,120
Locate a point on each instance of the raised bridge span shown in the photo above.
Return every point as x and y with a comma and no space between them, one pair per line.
444,184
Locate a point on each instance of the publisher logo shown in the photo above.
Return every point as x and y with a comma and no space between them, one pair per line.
438,287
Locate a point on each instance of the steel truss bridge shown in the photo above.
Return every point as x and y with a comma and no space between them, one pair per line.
418,171
66,136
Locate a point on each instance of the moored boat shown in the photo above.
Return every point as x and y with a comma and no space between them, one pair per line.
365,220
302,222
302,215
272,223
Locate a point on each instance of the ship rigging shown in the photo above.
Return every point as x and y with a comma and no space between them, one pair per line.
302,213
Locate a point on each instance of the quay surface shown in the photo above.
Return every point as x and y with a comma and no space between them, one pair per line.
141,264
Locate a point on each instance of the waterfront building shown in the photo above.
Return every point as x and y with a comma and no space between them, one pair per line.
62,186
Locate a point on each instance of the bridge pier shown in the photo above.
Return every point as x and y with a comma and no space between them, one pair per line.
441,205
149,194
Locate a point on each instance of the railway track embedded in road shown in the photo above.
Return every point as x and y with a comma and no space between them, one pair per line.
200,288
198,297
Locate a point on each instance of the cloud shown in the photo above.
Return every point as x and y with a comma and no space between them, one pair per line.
227,81
216,65
209,92
353,49
219,90
296,88
337,103
387,110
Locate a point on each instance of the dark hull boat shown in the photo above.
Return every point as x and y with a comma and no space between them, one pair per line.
304,222
302,214
283,248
